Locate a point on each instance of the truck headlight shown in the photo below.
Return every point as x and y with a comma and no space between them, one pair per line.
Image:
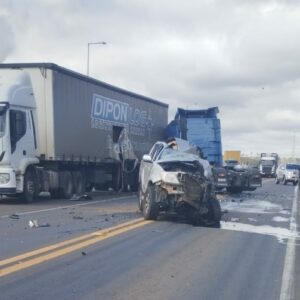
4,178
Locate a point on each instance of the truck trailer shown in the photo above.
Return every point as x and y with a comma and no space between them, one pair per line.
63,132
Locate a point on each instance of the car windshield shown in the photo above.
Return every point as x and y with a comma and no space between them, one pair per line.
292,167
267,162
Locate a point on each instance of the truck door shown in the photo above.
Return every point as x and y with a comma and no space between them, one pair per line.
22,136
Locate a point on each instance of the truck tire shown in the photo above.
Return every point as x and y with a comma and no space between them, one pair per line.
150,208
30,186
67,185
79,183
295,183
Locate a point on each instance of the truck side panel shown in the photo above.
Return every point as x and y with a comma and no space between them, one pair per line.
89,118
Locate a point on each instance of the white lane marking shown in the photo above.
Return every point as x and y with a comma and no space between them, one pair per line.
287,284
67,206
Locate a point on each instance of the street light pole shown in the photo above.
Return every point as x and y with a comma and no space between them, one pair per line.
88,54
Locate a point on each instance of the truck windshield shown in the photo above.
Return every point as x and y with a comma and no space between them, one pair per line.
267,162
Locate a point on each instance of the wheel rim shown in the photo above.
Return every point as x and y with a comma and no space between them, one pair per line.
146,203
30,187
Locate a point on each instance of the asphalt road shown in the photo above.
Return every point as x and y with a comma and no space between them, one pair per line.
254,255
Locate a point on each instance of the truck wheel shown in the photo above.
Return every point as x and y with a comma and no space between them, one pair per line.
295,183
89,187
67,188
55,193
150,207
276,180
30,186
79,183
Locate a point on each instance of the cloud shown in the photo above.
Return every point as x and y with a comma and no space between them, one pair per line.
6,37
243,56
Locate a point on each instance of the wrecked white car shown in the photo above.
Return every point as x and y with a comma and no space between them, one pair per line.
175,179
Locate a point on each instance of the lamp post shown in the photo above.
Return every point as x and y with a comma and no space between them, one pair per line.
88,54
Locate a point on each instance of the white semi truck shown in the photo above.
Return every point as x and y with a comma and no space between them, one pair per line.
268,164
63,132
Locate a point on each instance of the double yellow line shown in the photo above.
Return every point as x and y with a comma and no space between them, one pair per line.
35,257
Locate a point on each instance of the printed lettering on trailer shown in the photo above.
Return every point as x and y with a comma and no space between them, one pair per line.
107,112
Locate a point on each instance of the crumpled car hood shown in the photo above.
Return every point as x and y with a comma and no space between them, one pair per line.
178,156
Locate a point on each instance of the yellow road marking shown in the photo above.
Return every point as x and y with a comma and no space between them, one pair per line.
44,254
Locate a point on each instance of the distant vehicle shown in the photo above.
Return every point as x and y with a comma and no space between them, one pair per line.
287,173
268,164
173,178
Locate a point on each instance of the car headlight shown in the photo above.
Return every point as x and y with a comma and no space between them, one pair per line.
170,177
4,178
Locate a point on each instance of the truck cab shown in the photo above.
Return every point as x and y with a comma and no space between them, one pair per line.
18,142
268,164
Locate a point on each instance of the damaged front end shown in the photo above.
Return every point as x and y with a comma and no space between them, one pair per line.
183,187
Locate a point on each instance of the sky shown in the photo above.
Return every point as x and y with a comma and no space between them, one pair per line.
240,55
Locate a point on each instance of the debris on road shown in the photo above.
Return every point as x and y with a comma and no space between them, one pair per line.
14,217
35,224
80,197
83,253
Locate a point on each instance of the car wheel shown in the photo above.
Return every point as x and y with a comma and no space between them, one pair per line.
295,183
141,197
213,217
284,181
276,180
150,208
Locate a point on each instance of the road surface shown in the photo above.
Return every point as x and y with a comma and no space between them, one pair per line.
82,250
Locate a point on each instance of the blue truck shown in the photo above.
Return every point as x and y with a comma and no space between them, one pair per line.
202,127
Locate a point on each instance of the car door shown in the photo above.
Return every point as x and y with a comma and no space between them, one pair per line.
146,166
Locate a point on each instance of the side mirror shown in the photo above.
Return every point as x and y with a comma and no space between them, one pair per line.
147,158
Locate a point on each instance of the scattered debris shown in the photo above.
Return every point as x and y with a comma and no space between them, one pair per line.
77,217
83,253
33,223
80,197
45,225
225,211
106,220
14,217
